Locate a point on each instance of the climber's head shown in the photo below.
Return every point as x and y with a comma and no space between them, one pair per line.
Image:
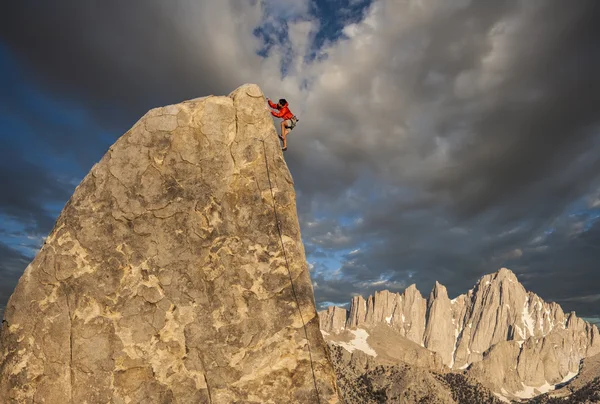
282,102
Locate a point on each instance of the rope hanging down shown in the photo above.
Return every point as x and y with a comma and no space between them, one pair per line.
290,272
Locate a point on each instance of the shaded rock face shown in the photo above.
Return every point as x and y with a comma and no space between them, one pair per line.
512,338
164,279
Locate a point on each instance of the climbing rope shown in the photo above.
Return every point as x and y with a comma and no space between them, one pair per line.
290,272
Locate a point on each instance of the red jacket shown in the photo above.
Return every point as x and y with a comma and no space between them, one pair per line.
284,112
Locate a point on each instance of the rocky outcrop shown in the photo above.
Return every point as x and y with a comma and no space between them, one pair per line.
589,393
411,321
358,312
165,279
364,380
333,319
511,337
526,369
404,312
441,327
386,344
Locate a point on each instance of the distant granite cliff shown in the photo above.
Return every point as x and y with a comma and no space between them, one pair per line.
507,337
166,278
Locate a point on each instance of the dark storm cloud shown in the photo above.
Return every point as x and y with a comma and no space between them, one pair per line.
27,189
560,266
118,58
44,127
355,122
568,271
511,122
12,264
338,291
542,119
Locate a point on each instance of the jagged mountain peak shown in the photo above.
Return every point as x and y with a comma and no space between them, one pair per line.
412,289
501,276
533,334
438,290
504,273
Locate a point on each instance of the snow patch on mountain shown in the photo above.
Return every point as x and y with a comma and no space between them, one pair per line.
546,387
456,333
530,391
526,317
527,392
358,343
570,376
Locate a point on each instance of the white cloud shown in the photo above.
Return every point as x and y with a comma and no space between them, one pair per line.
335,238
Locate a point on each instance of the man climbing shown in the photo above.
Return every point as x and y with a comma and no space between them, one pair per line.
289,120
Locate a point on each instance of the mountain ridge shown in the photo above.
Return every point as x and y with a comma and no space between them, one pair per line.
505,336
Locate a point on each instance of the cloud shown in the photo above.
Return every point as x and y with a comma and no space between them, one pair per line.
120,59
28,190
471,122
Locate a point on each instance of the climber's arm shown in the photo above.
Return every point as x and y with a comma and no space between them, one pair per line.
278,114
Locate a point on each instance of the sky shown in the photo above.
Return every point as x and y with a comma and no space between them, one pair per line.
438,140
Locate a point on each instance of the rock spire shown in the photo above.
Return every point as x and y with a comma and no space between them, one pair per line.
164,279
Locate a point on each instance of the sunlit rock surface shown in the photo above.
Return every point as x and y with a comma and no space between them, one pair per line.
164,279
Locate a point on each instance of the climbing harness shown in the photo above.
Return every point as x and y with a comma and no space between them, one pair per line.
290,272
293,120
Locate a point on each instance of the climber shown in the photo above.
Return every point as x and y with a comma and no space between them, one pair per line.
289,119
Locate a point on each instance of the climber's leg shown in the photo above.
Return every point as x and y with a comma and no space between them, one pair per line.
284,133
282,130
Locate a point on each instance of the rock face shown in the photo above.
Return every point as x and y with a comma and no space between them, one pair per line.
440,325
333,319
584,388
164,279
509,338
405,311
